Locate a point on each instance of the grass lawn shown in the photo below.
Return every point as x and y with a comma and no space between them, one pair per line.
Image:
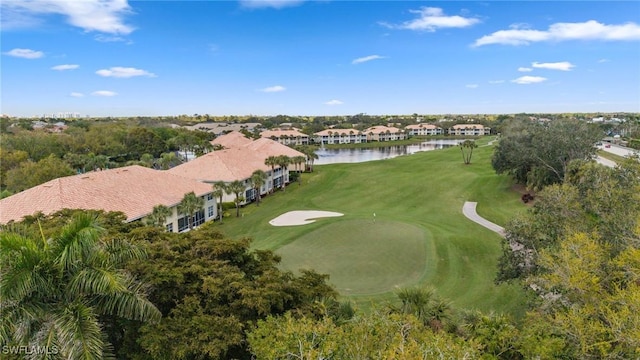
367,257
423,192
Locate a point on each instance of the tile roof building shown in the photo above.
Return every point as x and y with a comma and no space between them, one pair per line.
469,130
423,129
133,190
286,137
237,161
340,136
232,139
384,133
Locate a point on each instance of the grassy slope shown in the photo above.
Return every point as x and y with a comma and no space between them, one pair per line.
362,256
426,190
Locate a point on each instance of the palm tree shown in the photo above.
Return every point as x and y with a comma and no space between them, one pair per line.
299,161
272,161
237,188
189,205
219,188
283,161
147,160
424,305
168,160
159,216
54,291
311,156
258,179
467,150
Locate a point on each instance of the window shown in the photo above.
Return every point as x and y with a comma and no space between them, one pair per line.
209,197
198,219
183,224
210,211
250,194
170,227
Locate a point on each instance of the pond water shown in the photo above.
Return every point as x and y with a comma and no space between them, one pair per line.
341,156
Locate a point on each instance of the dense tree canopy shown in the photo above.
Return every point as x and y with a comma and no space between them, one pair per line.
211,290
538,154
578,249
56,290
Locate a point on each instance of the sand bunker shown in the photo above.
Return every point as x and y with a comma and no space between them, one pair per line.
301,217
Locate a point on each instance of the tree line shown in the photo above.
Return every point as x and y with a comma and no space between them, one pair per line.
29,158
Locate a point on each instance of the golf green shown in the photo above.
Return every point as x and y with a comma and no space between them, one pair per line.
362,257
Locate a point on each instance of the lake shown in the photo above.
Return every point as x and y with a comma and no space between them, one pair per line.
341,156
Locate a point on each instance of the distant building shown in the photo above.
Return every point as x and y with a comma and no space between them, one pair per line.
339,136
423,130
469,130
290,136
221,128
384,133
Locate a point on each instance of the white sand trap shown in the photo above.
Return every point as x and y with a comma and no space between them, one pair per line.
301,217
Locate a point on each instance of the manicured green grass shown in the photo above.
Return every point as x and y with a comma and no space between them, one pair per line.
364,257
425,190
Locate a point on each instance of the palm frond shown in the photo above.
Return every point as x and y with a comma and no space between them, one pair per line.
77,240
90,281
79,332
129,305
25,278
121,252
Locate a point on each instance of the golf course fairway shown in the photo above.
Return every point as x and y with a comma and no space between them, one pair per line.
419,195
362,257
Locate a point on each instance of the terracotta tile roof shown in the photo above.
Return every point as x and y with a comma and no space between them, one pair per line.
236,163
279,133
421,126
382,129
267,147
468,126
338,131
231,140
222,165
134,190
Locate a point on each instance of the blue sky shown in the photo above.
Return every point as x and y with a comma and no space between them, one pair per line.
119,58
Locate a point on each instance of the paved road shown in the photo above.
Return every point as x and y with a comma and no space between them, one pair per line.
469,210
605,162
618,150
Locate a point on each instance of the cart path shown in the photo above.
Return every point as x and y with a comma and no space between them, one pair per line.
469,210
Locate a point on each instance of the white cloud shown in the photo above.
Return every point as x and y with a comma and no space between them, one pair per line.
603,61
110,38
276,4
104,93
529,80
65,67
471,86
91,15
496,81
272,89
589,30
524,69
124,72
25,53
334,102
431,19
367,58
562,66
77,94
